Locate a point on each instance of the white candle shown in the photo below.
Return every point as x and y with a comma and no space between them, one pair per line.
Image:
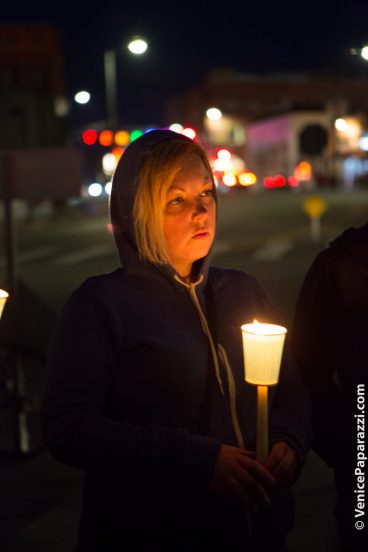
262,347
262,423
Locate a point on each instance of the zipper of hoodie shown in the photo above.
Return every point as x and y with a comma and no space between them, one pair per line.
217,353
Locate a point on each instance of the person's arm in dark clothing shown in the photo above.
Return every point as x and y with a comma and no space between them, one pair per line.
315,344
76,423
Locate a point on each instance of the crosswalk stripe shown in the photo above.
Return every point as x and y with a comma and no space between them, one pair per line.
272,251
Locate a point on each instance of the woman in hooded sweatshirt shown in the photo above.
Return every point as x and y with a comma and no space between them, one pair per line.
145,389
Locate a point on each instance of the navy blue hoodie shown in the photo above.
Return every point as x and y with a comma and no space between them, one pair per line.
127,370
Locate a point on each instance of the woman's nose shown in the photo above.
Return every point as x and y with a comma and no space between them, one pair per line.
199,207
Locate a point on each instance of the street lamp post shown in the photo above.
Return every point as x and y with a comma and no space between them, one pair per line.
111,88
137,46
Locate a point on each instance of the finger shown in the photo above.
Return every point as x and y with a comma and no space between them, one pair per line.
241,497
260,472
246,452
276,456
253,488
285,471
250,453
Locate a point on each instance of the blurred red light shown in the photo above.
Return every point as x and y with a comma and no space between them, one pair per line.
274,181
279,180
292,181
89,136
268,182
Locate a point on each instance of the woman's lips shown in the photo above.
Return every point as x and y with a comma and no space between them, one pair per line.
201,235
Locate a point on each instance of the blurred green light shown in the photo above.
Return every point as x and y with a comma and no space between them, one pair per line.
135,134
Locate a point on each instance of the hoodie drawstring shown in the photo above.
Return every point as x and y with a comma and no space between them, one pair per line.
216,354
232,393
207,331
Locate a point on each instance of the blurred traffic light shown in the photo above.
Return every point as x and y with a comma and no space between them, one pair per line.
135,134
122,138
90,136
106,138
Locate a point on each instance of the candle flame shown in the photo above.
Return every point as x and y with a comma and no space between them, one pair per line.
262,328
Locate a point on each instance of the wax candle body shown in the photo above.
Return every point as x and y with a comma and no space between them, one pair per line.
262,347
262,423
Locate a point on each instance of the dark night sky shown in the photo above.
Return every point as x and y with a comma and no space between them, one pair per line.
189,38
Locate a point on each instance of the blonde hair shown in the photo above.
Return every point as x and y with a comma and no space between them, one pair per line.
162,165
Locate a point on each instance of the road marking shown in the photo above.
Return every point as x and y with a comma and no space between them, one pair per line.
83,255
81,227
272,251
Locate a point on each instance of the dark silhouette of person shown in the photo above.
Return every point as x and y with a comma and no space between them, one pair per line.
330,345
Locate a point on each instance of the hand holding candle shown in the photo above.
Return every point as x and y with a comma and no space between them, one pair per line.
262,346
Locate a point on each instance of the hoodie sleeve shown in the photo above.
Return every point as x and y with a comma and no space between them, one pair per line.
77,427
290,412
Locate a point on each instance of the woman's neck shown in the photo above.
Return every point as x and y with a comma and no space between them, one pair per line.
184,271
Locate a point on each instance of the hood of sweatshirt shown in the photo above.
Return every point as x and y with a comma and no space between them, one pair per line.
124,189
353,245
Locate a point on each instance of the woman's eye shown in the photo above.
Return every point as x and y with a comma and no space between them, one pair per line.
207,193
176,201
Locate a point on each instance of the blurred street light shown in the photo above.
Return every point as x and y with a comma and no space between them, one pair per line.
109,164
189,132
176,127
341,125
363,142
137,46
95,189
364,53
82,97
213,113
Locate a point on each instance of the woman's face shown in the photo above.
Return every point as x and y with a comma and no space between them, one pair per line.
190,216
